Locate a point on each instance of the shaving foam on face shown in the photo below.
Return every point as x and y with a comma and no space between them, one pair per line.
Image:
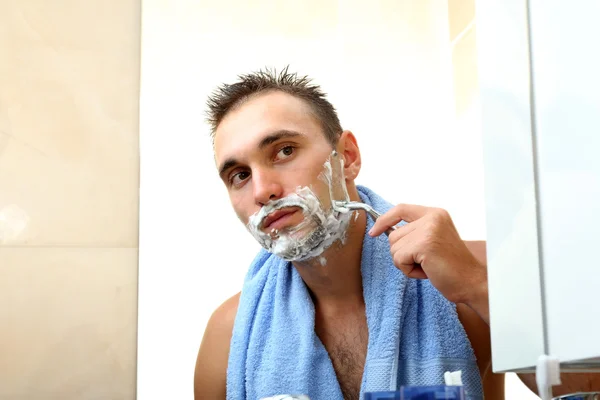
319,229
309,239
333,176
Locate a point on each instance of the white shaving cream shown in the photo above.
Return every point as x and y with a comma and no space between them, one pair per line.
337,183
318,230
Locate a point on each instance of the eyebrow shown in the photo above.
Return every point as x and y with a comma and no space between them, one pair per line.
266,141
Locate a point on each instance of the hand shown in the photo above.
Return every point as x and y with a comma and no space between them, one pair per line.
429,247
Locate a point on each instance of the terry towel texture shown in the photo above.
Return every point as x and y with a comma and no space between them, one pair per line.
414,332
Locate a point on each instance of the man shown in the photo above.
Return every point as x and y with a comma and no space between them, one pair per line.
272,135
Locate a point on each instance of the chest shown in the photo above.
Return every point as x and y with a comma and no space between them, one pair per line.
346,343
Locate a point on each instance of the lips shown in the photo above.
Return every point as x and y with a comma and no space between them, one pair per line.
272,219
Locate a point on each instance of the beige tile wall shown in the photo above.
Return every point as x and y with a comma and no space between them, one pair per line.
461,15
69,173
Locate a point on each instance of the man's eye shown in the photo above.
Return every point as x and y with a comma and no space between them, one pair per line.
285,152
239,177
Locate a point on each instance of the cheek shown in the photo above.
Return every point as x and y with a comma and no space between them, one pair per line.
321,190
314,178
241,208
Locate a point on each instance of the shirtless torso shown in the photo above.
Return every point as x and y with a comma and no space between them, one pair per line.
345,336
345,339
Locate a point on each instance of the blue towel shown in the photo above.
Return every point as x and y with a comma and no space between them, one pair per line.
414,332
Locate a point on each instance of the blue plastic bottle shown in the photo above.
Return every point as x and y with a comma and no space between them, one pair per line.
441,392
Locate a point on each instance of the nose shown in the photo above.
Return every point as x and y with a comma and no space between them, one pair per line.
267,187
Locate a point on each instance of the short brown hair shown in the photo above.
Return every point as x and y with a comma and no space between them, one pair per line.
229,96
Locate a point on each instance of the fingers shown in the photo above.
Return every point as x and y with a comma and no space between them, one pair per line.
401,232
406,251
413,271
401,212
405,262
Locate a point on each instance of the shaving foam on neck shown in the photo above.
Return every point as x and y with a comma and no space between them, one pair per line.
310,238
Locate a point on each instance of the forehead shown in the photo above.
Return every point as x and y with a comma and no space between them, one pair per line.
244,126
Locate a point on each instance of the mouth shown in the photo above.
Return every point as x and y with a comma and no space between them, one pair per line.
278,219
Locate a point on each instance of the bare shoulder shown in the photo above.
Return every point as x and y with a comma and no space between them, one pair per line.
223,317
210,376
478,333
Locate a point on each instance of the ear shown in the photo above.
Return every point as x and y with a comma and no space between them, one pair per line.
348,148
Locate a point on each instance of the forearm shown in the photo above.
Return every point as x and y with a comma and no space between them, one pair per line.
478,249
479,298
480,302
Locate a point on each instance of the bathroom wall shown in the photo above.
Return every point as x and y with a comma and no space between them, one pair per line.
69,166
388,68
463,39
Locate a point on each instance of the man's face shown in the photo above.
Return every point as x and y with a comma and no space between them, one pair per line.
266,150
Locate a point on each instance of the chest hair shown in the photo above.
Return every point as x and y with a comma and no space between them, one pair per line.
347,347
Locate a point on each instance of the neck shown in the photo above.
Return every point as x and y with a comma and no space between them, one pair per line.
334,279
